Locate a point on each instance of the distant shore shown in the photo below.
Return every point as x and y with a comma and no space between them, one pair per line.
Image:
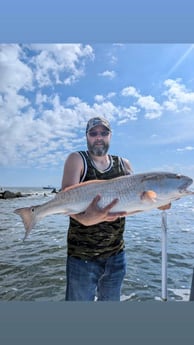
7,194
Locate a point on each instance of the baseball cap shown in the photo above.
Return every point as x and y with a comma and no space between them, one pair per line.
97,121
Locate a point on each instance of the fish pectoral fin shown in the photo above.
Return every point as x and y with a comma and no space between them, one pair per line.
148,196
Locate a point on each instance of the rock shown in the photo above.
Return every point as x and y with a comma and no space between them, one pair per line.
10,195
54,190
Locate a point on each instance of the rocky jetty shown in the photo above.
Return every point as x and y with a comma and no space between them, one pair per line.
10,195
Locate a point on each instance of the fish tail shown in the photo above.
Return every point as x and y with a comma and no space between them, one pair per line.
29,218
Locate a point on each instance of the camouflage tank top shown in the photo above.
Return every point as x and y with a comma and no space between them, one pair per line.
106,238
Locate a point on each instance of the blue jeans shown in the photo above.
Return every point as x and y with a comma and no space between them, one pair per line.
100,277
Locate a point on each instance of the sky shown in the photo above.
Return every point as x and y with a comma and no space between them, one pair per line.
49,91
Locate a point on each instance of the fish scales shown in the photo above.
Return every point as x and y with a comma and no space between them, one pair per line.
108,191
84,193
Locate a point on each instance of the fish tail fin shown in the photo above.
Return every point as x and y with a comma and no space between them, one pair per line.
29,218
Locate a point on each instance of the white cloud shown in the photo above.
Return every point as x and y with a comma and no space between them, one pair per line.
15,74
170,106
108,74
179,98
130,91
102,98
99,98
152,108
60,63
113,60
39,125
107,110
186,148
111,95
31,129
127,114
148,102
177,92
71,101
41,98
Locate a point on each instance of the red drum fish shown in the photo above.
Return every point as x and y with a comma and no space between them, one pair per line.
135,193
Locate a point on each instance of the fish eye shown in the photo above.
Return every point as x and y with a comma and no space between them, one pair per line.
32,209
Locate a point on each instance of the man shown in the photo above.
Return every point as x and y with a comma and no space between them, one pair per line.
96,262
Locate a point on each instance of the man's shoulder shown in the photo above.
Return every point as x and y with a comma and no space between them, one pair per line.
119,158
74,156
124,162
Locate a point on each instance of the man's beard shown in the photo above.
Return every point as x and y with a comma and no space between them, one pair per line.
98,150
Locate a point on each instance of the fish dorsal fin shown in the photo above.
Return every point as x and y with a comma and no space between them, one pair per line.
151,176
83,184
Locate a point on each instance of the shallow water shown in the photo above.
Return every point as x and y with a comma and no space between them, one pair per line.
35,270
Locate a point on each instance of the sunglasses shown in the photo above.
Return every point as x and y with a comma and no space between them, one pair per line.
96,133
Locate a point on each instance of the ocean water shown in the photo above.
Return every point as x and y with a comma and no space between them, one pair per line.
34,270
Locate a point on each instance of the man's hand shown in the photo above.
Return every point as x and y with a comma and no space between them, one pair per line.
94,214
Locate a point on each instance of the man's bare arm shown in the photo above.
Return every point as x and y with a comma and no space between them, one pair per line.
73,170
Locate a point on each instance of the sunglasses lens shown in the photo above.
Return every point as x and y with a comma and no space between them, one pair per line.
95,133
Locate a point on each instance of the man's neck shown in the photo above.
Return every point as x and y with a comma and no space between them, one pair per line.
101,162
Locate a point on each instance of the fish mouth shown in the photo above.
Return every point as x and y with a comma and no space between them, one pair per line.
187,181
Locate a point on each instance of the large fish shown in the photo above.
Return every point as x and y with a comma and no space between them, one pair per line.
135,193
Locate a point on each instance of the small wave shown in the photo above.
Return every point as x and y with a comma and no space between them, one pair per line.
183,293
127,298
